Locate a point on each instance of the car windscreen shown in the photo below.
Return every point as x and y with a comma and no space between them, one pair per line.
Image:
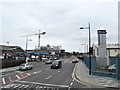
22,65
55,62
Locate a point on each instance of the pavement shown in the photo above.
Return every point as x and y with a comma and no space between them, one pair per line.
82,74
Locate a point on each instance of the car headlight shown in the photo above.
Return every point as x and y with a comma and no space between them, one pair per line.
56,65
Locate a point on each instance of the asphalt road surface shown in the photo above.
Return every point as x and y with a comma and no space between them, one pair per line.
42,77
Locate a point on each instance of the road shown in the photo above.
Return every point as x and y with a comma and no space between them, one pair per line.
42,77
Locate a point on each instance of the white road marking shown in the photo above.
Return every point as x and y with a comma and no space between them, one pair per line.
47,69
35,72
58,71
69,88
17,76
37,87
3,79
22,86
38,72
72,82
28,74
16,85
44,84
26,86
48,77
10,79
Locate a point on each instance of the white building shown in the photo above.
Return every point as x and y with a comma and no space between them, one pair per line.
112,50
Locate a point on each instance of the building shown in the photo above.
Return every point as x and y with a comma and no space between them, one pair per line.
112,50
9,51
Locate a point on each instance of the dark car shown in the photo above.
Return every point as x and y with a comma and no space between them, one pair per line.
56,64
25,66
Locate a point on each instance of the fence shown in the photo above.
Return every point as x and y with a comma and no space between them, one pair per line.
102,69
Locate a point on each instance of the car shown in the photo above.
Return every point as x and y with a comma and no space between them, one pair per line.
48,61
25,66
112,68
74,60
44,59
56,64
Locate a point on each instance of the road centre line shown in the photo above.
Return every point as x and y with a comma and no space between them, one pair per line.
63,86
3,79
17,76
48,77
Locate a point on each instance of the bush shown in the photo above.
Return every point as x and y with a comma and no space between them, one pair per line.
11,63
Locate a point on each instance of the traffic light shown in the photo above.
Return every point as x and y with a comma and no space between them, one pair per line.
91,50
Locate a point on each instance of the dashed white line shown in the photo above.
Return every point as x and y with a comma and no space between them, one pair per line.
58,71
47,69
48,77
10,79
28,74
38,72
17,76
3,79
35,72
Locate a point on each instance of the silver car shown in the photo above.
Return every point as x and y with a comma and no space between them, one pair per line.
25,66
48,62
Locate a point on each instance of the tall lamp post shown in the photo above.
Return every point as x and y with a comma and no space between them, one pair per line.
89,47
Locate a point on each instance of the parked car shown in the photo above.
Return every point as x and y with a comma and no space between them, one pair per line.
48,61
74,60
56,64
25,66
112,68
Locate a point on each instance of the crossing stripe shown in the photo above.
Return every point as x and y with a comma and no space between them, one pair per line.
3,79
17,76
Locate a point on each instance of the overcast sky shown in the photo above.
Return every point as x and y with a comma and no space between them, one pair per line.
60,19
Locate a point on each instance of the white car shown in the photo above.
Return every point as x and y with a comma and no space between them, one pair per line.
75,61
25,66
112,68
48,62
44,59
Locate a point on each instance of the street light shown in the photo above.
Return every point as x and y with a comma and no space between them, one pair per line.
89,47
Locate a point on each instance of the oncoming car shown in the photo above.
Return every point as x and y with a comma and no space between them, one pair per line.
25,66
74,60
48,61
56,64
